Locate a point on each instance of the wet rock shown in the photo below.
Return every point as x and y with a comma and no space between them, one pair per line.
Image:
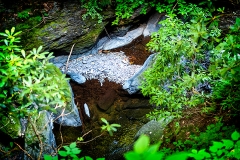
153,24
122,41
154,129
11,126
77,78
86,110
105,101
132,84
68,116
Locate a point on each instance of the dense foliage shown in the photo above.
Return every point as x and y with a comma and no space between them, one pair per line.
29,83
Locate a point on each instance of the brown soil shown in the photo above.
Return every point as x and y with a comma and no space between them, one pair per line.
136,51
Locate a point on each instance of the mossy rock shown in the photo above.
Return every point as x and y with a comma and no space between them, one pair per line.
39,132
11,127
71,114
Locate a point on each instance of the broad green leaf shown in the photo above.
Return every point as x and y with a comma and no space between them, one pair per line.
228,143
100,159
86,158
235,136
2,83
63,153
132,156
178,156
142,144
154,148
73,145
213,149
67,148
76,150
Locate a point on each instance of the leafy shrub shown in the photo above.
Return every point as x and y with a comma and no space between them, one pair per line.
29,83
223,149
172,79
24,14
226,69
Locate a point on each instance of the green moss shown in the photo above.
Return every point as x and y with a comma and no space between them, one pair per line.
89,38
11,126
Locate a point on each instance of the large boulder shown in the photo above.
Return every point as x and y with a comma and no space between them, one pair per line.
69,115
133,83
39,138
64,27
154,129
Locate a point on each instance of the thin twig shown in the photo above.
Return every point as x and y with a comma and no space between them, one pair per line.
174,5
91,139
24,151
87,133
60,146
107,32
69,58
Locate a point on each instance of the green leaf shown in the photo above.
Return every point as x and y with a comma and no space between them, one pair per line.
63,153
3,34
142,144
87,158
17,33
100,159
228,143
132,156
104,120
76,150
235,136
7,32
67,148
6,42
178,156
2,83
39,49
157,156
12,30
154,148
3,105
73,145
23,53
115,125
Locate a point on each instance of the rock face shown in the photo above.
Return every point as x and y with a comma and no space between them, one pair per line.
45,141
132,84
64,27
125,40
154,129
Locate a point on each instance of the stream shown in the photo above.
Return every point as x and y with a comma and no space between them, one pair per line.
108,100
